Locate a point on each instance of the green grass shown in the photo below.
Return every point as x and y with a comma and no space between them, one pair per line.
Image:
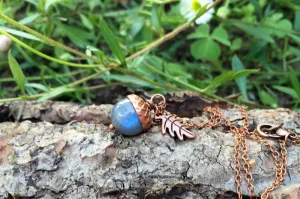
249,50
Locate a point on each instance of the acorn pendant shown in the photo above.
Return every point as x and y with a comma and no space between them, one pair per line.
133,115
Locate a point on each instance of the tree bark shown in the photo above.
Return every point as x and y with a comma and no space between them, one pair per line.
65,150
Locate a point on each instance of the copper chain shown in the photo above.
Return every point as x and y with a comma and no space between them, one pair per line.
241,158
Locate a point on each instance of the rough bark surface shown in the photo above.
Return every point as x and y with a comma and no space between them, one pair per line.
50,155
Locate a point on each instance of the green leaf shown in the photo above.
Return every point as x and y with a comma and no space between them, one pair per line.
201,32
255,31
245,72
29,19
219,80
78,36
50,3
42,75
295,51
241,81
86,22
256,6
20,33
112,41
37,86
201,11
290,91
136,27
256,49
284,25
156,18
100,54
94,3
236,44
276,17
29,90
248,10
16,72
1,6
221,36
230,75
137,61
294,81
175,69
297,21
133,80
34,2
205,49
52,73
55,92
267,99
296,38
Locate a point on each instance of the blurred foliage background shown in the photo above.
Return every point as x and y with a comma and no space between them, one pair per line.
248,53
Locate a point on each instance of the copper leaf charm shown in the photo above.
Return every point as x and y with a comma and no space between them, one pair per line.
173,126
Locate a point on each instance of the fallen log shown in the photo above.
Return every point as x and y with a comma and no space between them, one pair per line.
65,150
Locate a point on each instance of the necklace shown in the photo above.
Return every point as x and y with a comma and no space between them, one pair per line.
133,115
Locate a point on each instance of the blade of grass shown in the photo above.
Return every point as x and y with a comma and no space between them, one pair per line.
241,81
112,41
289,91
224,77
20,33
294,81
16,72
55,92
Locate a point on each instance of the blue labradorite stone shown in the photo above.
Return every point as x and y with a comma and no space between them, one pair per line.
125,119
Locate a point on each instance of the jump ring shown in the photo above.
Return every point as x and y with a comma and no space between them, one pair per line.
158,95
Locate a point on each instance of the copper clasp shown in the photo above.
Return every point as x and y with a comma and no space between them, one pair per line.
272,131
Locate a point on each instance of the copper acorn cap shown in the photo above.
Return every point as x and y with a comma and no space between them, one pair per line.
142,109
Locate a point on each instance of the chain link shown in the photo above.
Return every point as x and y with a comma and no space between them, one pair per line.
158,108
241,158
